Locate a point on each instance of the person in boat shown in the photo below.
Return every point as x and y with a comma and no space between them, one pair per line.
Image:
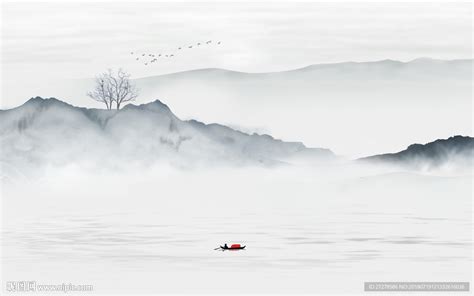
225,246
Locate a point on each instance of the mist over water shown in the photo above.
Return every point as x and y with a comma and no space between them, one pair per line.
306,229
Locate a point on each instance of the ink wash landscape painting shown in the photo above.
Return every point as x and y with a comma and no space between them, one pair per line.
234,147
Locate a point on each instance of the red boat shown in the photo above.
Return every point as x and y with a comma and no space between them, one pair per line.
232,247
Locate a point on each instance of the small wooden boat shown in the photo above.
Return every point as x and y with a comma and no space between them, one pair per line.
233,247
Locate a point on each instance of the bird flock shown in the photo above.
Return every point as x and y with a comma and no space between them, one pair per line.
150,58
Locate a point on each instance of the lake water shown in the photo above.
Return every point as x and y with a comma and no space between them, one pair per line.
304,233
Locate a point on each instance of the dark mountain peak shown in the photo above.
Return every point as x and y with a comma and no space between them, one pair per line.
431,154
39,103
44,101
36,100
457,141
156,105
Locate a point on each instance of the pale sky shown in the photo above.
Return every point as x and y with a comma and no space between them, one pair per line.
75,40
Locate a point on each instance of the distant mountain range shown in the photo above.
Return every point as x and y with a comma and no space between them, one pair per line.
333,104
454,150
315,104
49,132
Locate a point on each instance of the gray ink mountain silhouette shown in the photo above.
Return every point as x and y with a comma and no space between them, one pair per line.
52,132
456,149
318,100
315,82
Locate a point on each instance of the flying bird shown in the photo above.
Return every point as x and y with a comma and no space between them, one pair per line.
199,43
208,41
179,48
143,55
131,52
190,46
138,59
219,42
172,55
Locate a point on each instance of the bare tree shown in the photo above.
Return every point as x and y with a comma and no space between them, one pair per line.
114,87
102,91
122,89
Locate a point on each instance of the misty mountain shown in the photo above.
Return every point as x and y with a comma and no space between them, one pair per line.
314,104
49,132
452,151
326,84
